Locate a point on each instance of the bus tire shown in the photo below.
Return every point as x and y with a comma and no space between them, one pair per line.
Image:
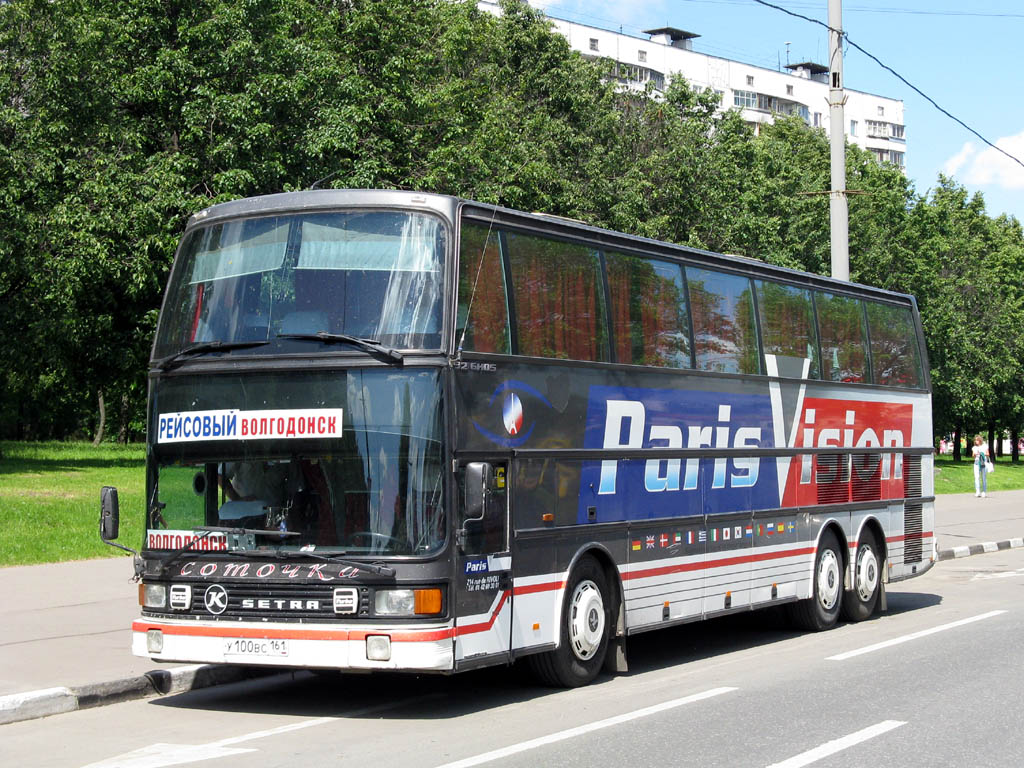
821,610
586,621
860,602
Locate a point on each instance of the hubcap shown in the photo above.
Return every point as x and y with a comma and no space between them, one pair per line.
867,573
586,620
829,581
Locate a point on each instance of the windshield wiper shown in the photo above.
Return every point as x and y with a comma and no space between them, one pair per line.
367,345
283,554
239,531
202,348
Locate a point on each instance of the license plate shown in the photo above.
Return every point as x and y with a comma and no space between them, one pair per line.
255,648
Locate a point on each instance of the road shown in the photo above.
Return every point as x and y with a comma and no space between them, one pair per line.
945,689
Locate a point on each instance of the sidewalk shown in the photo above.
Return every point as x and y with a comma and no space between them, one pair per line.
67,625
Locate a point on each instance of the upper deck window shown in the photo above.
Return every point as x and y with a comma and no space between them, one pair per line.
895,358
374,275
649,316
843,337
787,327
482,324
559,298
724,334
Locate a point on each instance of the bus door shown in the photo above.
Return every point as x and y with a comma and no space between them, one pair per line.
483,584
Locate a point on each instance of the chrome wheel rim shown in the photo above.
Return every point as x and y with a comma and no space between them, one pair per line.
586,620
866,575
829,580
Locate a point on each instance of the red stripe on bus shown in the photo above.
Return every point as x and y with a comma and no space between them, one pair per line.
684,567
293,634
529,589
484,626
905,537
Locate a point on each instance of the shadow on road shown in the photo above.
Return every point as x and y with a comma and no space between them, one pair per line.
403,696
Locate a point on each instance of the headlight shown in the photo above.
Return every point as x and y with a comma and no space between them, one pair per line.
155,596
407,602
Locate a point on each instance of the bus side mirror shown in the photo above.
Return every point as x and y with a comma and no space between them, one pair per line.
109,513
479,482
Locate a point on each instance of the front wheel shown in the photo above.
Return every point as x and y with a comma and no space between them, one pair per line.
821,611
859,603
584,632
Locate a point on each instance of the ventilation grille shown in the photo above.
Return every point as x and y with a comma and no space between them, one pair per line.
913,546
833,478
866,480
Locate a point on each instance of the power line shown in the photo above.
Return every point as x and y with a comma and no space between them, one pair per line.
904,80
893,11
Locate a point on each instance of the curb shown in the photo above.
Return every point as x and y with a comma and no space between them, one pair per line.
159,682
980,549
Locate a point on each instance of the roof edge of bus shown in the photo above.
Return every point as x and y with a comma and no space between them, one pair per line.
317,199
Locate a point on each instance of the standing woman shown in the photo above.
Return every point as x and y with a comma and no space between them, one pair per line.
980,451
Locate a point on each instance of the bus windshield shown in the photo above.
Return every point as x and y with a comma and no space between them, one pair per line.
337,461
374,275
344,503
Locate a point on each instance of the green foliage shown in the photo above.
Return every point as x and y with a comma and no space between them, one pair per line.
119,120
50,501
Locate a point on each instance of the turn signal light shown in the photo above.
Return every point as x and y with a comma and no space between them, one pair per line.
428,601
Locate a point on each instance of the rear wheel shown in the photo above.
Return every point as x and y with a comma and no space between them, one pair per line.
584,632
821,611
859,603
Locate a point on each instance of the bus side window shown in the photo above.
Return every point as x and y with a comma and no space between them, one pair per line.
483,299
842,329
724,334
649,315
895,358
787,326
559,299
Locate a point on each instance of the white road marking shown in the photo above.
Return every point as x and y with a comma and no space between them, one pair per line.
913,636
162,755
838,745
997,575
524,746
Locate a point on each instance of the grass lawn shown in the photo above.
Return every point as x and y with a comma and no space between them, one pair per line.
50,496
50,499
958,477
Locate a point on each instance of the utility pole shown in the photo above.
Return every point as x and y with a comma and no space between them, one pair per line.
839,212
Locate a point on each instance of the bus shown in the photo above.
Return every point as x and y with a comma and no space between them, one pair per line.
400,431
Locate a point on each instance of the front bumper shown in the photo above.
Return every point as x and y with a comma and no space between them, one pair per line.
420,648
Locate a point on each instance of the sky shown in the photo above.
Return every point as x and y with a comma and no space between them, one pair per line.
966,57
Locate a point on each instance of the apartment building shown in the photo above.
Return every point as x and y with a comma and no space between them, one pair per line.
872,122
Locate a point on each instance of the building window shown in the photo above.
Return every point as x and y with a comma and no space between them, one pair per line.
877,129
896,158
817,119
896,131
641,55
789,90
750,79
881,111
744,99
853,127
593,43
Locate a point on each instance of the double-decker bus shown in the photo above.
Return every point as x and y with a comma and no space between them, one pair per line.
400,431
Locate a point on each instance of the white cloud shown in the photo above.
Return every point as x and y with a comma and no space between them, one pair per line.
989,167
956,162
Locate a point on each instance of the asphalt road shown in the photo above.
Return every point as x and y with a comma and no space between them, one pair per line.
745,691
